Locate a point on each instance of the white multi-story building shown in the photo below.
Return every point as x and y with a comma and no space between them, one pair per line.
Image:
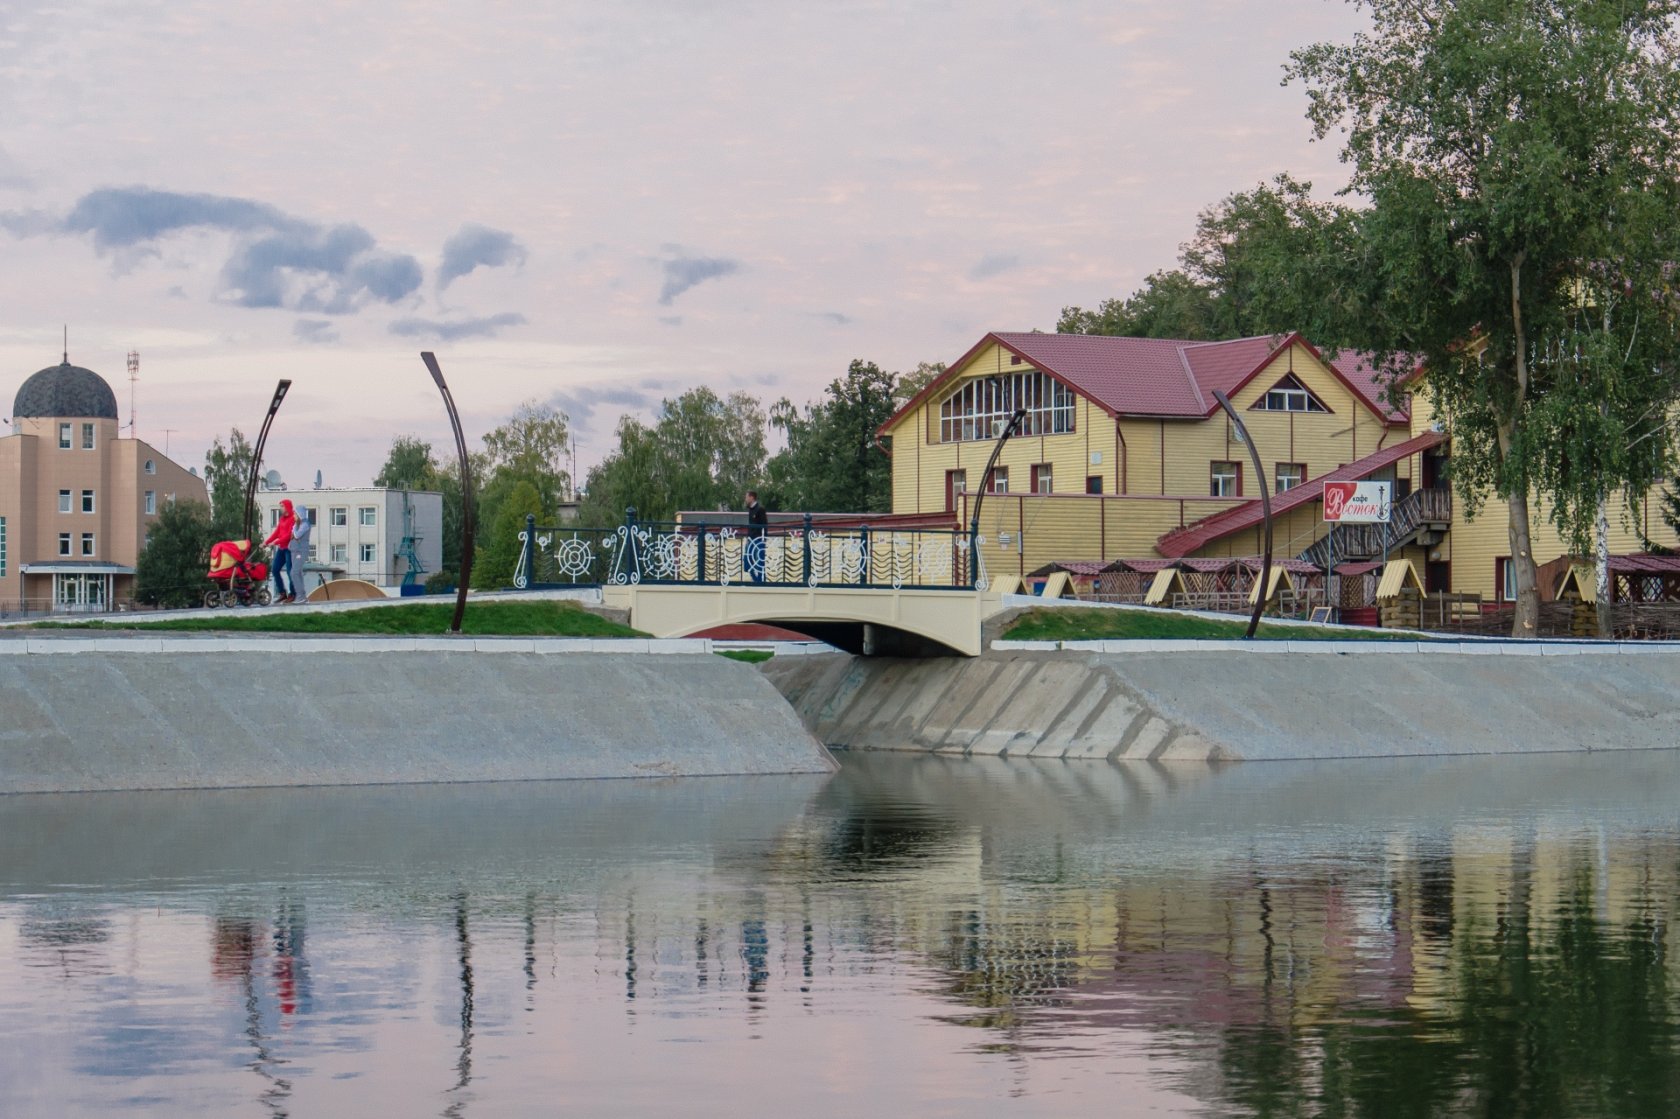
359,531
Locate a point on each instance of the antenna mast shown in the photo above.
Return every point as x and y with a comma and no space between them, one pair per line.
133,379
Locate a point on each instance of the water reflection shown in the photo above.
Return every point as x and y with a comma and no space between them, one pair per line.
919,934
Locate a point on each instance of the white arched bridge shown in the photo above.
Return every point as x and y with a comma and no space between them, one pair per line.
862,588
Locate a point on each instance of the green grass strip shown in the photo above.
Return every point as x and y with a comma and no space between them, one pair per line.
538,618
1046,624
749,656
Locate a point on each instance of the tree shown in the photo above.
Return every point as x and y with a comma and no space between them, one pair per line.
909,384
702,452
409,465
1240,275
1520,160
171,567
832,462
226,471
532,446
494,566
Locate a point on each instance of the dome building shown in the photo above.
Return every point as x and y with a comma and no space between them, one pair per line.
77,499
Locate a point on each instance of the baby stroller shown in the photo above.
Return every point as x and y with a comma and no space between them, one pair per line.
236,579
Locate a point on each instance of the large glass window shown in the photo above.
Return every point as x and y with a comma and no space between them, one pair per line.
87,437
64,437
87,501
979,408
64,543
340,552
366,515
87,543
1225,479
367,553
338,516
65,497
1290,475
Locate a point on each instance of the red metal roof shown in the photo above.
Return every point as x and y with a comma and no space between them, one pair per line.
1644,563
1198,534
1160,377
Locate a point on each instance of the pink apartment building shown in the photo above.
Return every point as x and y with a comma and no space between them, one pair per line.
76,499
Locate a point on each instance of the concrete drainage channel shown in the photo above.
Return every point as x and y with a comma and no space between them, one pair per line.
108,712
1243,702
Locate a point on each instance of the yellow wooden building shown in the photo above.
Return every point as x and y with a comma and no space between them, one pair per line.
1125,453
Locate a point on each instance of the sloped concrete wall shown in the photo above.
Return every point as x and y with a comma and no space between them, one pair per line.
88,715
1240,705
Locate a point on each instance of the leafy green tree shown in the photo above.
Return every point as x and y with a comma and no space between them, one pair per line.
532,446
907,385
702,452
410,464
226,470
171,567
494,565
1521,162
832,462
1242,273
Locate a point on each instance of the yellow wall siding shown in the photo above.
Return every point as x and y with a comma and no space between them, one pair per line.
1041,530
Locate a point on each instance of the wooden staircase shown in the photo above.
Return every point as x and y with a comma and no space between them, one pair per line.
1421,517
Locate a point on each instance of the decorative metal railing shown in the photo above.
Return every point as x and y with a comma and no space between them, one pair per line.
1417,510
804,555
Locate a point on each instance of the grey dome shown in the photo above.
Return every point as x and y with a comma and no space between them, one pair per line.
65,390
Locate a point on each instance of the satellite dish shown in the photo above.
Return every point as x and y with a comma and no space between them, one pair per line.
317,479
193,470
271,481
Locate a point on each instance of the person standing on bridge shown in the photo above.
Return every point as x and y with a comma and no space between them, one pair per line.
757,521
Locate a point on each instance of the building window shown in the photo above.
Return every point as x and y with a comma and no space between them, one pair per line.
1043,479
87,437
64,437
151,467
64,543
1289,395
274,518
64,499
338,516
1225,479
999,480
1093,483
313,516
340,553
367,553
367,515
2,547
1290,475
1505,579
151,502
980,407
87,543
87,501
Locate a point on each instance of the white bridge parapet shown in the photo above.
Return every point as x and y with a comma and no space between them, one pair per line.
950,617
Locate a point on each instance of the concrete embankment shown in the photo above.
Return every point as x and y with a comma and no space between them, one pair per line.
81,714
1240,704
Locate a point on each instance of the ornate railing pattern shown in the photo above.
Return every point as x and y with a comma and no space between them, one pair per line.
1415,511
735,555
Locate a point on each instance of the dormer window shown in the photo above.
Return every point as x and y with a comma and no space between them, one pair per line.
1289,395
151,467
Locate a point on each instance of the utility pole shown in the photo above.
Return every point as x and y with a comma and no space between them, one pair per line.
133,379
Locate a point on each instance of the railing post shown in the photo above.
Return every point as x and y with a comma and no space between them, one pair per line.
529,561
700,571
807,578
866,573
634,574
974,555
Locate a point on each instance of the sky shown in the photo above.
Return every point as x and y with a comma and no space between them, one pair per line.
597,206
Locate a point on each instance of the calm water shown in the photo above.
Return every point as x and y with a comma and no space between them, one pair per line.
914,936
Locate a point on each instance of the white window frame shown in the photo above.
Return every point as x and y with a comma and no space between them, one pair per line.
64,544
338,516
66,501
978,407
88,545
341,553
1217,480
88,440
1298,475
87,501
1290,395
367,555
2,547
1044,478
151,503
151,466
999,480
66,436
367,516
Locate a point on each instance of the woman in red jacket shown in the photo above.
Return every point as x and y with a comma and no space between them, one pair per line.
281,540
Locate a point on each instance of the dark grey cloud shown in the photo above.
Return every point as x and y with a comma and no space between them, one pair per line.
277,260
449,331
683,272
477,246
581,403
994,265
319,331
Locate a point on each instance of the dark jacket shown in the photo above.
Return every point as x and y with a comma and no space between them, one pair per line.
757,519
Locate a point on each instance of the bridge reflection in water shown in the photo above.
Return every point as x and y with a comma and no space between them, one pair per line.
865,588
1432,937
